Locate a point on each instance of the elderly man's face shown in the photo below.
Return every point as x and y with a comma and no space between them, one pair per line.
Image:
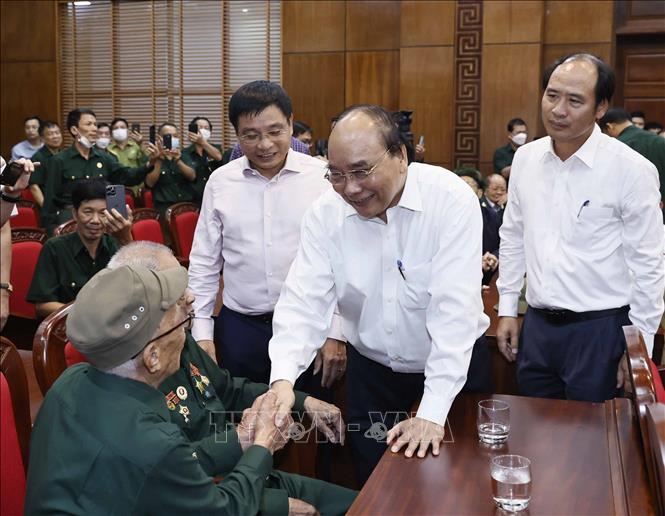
88,219
53,137
87,127
356,144
496,189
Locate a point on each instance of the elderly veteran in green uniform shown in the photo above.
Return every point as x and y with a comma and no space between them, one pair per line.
204,156
67,262
126,146
52,137
617,123
171,179
203,400
81,161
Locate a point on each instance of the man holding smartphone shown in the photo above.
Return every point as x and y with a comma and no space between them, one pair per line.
203,155
126,146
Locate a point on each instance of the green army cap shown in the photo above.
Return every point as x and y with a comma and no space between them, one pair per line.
119,310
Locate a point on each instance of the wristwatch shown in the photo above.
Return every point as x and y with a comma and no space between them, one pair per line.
7,286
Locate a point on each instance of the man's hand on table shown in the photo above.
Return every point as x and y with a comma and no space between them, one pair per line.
417,434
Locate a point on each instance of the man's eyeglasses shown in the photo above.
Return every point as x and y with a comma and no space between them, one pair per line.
254,138
339,178
187,323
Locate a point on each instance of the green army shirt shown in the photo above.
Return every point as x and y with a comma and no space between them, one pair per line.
649,145
172,186
203,166
64,266
43,155
503,157
205,400
103,444
131,155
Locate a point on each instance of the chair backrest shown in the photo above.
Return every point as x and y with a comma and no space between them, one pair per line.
145,213
48,348
182,218
147,229
656,452
129,199
14,429
641,378
27,216
28,235
24,260
65,228
147,199
26,195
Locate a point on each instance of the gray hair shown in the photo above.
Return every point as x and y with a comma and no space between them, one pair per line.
143,252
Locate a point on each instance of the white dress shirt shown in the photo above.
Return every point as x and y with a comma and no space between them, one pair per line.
587,232
425,322
249,226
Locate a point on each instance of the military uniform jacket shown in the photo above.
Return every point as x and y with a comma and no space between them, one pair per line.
103,444
205,401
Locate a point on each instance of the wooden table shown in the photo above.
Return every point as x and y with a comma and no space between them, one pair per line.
585,457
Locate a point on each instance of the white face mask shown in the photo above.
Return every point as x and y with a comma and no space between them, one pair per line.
175,143
519,139
85,142
103,142
120,134
205,133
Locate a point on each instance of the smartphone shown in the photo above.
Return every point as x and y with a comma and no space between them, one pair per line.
115,198
11,173
153,134
167,141
136,128
421,142
193,128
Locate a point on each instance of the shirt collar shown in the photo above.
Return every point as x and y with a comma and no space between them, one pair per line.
586,153
77,244
291,165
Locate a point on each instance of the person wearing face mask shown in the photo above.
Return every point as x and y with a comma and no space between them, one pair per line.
203,155
103,136
503,156
52,137
81,161
173,174
126,145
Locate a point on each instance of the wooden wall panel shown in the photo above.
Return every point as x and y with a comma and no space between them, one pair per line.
426,87
578,22
315,83
19,43
313,26
372,25
510,88
507,21
373,77
427,23
645,75
553,52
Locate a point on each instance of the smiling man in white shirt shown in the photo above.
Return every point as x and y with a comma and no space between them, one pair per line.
397,248
249,226
583,222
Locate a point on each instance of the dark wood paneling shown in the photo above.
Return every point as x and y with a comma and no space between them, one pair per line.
315,83
372,77
426,87
513,22
553,52
643,8
372,25
510,88
578,22
27,30
313,26
644,75
427,22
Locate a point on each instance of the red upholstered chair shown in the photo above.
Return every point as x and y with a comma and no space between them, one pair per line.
14,429
26,195
657,382
65,228
26,246
146,225
49,348
182,218
656,431
147,199
129,199
27,216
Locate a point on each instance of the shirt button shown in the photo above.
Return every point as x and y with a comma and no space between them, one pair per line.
269,244
390,300
389,330
73,284
270,274
87,177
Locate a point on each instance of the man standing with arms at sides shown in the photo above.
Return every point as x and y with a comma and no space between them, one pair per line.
249,227
52,137
398,248
583,223
503,156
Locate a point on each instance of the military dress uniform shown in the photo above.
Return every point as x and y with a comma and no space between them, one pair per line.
203,166
68,166
38,177
205,400
64,266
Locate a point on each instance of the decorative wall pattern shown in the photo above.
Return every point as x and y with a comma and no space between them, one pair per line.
468,60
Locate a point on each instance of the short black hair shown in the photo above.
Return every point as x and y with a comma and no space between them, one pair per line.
197,118
300,128
385,121
637,114
33,117
614,116
88,190
473,174
605,81
653,125
252,98
119,119
103,124
46,124
515,121
74,117
159,129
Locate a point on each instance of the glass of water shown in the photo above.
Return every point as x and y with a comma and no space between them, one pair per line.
511,482
493,421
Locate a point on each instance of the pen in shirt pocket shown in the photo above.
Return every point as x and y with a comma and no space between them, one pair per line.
584,205
400,268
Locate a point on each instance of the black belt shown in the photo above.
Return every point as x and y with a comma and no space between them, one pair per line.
568,316
265,318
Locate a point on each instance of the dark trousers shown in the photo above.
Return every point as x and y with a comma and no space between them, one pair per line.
575,360
377,398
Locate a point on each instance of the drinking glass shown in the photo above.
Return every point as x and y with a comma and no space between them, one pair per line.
493,421
511,482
